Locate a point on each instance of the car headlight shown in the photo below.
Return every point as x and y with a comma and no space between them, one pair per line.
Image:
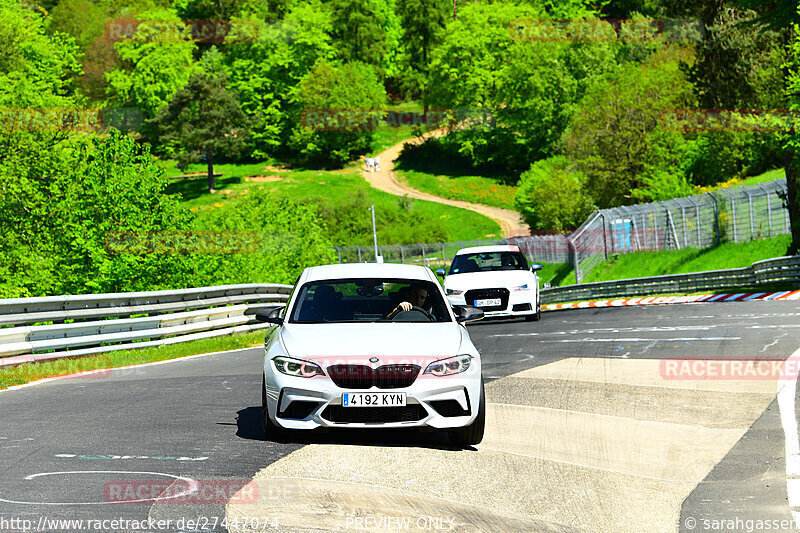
521,288
296,367
454,292
449,366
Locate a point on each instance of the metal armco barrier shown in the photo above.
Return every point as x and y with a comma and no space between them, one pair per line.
778,270
97,323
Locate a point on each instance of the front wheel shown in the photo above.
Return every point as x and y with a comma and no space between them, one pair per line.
536,317
473,433
270,429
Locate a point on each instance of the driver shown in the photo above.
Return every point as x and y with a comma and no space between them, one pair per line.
413,296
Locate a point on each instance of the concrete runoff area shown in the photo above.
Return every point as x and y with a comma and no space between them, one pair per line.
541,467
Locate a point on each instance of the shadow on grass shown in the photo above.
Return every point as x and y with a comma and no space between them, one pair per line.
436,157
195,187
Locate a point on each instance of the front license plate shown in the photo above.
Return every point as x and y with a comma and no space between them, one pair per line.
488,303
374,399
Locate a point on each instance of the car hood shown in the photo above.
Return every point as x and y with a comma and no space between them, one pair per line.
499,278
356,343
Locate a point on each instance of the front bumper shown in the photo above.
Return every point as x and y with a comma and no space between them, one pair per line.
524,301
422,400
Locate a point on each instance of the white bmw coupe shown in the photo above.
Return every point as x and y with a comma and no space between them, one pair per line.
371,346
496,279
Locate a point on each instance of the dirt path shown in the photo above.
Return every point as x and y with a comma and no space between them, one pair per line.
511,222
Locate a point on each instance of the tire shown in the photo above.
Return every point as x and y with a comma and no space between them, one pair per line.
473,433
271,431
536,317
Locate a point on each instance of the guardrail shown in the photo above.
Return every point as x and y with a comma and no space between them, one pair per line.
769,271
96,323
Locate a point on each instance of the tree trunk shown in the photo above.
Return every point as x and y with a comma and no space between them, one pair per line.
792,199
210,162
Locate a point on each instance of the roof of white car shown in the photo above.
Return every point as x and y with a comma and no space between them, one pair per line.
495,248
368,270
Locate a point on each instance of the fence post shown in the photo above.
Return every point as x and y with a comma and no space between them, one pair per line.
605,243
683,220
733,209
359,253
786,194
769,210
750,201
697,219
716,216
424,261
402,254
444,253
339,253
575,264
655,228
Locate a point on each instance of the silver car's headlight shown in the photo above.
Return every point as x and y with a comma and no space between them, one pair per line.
296,367
522,288
449,366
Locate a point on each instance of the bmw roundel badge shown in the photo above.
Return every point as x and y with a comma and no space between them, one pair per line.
373,359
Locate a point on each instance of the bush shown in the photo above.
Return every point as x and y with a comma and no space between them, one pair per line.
76,197
289,235
551,196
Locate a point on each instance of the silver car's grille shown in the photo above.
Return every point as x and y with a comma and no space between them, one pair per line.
374,415
365,377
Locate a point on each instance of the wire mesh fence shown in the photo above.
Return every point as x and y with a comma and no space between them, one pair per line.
537,248
730,215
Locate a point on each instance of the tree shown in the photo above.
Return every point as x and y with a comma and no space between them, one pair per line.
202,120
745,61
616,137
359,26
154,63
346,99
264,72
551,196
423,23
528,89
76,197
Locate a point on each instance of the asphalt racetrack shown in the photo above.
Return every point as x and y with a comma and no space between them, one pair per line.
634,419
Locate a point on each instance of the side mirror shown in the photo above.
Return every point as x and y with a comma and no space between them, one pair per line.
270,314
467,313
535,267
441,273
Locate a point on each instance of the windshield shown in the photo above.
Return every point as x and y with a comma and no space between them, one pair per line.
369,300
488,261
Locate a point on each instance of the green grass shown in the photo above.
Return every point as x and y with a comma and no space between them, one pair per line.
386,137
769,175
726,255
556,274
28,372
309,185
475,189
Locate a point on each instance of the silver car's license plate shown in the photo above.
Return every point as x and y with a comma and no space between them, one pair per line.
488,303
374,399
